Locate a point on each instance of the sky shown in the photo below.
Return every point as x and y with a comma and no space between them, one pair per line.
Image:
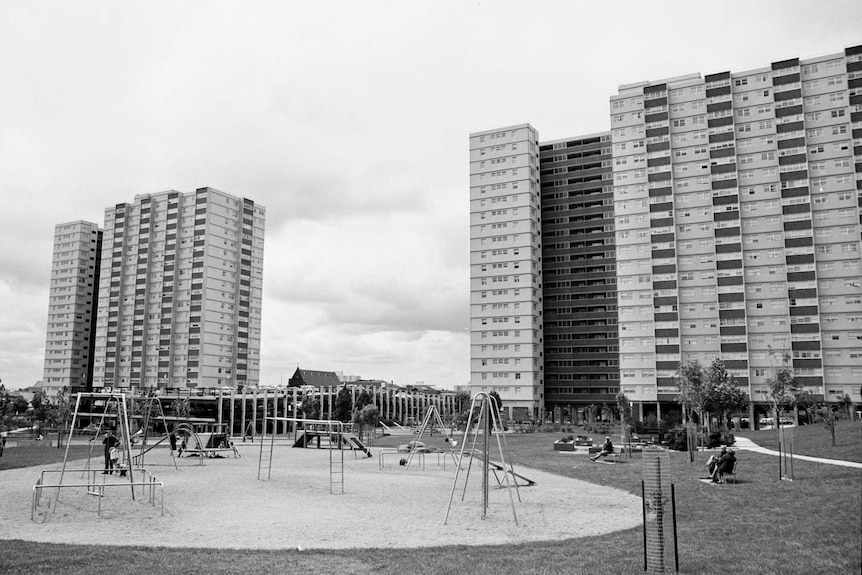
349,121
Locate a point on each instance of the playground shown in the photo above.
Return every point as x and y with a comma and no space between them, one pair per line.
221,504
577,518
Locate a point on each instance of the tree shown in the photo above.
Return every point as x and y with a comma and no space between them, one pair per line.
311,406
783,391
41,407
181,408
462,401
607,412
724,397
846,405
367,417
693,391
343,405
19,405
592,411
825,415
4,403
625,409
363,399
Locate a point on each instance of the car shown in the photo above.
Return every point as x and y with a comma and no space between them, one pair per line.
414,446
91,429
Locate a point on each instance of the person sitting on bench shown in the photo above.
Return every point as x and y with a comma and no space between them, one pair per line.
607,449
723,465
712,462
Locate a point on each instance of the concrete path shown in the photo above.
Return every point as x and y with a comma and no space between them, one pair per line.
748,445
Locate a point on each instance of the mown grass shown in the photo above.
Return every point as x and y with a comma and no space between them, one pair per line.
760,525
30,453
816,441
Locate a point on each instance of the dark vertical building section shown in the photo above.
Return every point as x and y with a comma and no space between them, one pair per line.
579,275
244,289
92,303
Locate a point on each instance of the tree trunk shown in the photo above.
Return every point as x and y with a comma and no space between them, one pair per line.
832,431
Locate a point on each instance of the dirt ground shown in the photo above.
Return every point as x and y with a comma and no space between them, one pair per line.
222,504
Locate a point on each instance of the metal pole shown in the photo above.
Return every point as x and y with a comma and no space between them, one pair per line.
791,459
780,457
485,464
675,542
643,508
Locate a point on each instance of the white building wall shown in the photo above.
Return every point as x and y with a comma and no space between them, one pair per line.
505,268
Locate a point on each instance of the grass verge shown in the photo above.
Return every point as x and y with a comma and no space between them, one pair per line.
30,453
816,441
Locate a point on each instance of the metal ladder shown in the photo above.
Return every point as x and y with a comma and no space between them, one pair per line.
336,460
264,463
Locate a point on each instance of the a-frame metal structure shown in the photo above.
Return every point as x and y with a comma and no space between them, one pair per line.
334,431
432,418
117,401
152,411
487,424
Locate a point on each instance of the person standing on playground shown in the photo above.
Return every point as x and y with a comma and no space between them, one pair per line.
109,442
172,438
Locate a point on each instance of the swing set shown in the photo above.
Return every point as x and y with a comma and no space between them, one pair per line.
115,409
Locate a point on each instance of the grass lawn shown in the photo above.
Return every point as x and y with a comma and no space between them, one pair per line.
815,440
760,525
29,453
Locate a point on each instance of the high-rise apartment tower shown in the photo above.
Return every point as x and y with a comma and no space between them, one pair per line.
737,219
579,275
505,269
180,299
72,305
719,218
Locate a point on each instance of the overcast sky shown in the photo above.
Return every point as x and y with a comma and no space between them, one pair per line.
349,121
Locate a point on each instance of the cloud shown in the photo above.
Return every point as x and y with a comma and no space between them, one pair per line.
347,120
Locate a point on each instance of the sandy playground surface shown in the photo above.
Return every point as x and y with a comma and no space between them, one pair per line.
222,504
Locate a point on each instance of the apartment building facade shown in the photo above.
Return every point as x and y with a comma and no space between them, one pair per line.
71,329
737,218
179,305
734,204
579,274
506,336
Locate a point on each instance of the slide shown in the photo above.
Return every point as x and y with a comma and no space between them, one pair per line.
355,443
302,440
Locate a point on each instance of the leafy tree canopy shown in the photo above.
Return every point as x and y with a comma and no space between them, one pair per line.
343,405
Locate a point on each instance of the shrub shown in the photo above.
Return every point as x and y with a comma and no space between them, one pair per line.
713,440
677,439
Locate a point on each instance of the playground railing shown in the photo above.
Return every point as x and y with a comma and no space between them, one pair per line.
389,453
150,486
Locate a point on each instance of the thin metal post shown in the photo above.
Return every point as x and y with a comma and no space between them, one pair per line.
791,459
485,464
643,508
675,542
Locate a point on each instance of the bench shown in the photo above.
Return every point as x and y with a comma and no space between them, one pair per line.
732,473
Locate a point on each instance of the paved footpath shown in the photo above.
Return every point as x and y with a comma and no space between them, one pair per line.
748,445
